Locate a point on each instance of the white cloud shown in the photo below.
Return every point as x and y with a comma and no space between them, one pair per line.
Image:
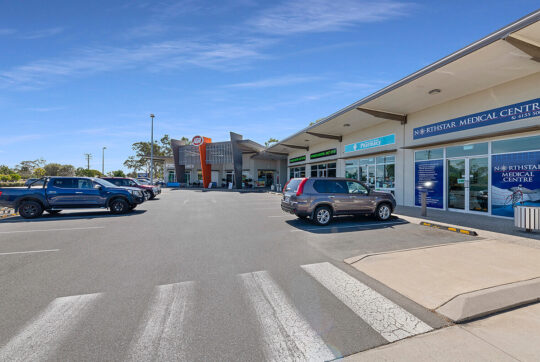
155,56
43,33
303,16
6,31
275,82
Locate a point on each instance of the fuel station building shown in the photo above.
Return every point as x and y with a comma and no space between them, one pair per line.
236,163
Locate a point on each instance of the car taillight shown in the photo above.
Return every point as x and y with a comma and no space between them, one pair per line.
0,193
285,187
301,187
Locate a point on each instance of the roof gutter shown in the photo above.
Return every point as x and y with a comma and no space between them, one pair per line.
491,38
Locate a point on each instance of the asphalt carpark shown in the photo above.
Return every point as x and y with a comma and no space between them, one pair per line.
206,237
261,212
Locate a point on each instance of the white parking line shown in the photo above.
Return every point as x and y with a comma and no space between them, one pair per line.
38,340
383,315
42,230
287,336
28,252
186,201
160,336
337,227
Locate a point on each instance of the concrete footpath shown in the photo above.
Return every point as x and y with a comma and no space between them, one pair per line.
510,336
490,286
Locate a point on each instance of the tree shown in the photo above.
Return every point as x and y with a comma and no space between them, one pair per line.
26,168
4,170
83,172
118,173
66,170
14,177
141,160
270,142
52,169
39,172
56,169
132,174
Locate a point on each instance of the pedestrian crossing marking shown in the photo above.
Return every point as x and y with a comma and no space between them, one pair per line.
39,339
387,318
287,336
161,334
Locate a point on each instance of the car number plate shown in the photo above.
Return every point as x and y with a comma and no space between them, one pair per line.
286,198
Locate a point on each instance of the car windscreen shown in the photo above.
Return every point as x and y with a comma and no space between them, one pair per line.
293,185
104,182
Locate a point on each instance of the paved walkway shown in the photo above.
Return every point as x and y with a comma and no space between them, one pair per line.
473,221
511,336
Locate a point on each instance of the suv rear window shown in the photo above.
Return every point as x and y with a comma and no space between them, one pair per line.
293,185
330,187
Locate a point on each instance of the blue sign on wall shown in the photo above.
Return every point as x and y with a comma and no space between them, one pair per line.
372,143
509,113
429,171
515,180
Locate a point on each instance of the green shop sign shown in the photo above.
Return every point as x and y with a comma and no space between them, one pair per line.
297,159
325,153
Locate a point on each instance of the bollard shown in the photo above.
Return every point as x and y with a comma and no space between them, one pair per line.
423,200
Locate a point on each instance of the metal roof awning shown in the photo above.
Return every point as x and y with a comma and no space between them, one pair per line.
507,54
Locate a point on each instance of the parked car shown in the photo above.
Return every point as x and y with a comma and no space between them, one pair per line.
151,190
58,193
320,199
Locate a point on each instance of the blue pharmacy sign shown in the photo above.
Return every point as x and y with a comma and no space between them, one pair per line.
372,143
515,180
509,113
431,171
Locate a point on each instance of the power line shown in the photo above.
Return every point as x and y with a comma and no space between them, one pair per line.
88,157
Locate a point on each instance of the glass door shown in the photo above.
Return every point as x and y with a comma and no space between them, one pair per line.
468,184
478,184
456,184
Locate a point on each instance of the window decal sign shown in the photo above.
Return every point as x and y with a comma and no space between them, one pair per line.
297,159
515,180
429,171
325,153
372,143
509,113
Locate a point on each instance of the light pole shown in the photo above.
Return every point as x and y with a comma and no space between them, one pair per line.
103,161
152,151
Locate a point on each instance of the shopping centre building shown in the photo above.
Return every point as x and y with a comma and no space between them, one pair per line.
236,163
466,127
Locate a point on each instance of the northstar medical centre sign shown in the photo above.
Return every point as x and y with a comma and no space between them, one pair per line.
509,113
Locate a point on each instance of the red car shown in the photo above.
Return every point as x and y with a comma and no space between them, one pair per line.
151,190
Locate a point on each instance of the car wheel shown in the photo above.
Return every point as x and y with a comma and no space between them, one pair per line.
119,206
53,212
383,212
30,209
152,196
323,215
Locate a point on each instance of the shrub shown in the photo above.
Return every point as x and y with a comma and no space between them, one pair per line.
14,177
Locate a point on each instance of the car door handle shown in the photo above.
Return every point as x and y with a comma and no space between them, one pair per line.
331,196
78,192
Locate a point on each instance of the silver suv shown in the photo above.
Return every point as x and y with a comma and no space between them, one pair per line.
321,198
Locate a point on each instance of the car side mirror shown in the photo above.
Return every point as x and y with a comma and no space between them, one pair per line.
99,187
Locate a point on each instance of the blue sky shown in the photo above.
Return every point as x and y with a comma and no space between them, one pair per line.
79,75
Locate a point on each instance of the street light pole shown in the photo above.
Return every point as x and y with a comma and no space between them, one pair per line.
152,151
103,161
